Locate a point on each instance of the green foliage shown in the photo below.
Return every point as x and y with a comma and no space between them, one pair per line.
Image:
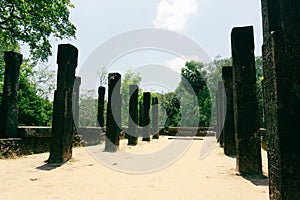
172,108
44,80
259,79
194,81
1,87
190,111
129,78
1,90
32,22
213,76
163,99
193,77
33,109
88,109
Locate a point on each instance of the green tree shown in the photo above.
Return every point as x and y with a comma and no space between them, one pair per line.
33,22
214,75
44,80
129,78
33,109
194,78
190,111
163,101
88,109
172,108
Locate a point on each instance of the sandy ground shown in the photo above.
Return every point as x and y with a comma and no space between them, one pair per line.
84,177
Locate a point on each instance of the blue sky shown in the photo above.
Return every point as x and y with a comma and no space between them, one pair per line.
207,22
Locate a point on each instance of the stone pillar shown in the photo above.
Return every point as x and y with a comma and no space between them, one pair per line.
270,17
141,111
133,115
217,117
100,114
146,117
62,120
246,118
228,130
113,116
9,106
281,86
155,130
220,112
76,100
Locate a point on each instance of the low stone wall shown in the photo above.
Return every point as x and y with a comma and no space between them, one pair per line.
34,131
32,140
37,139
91,135
13,147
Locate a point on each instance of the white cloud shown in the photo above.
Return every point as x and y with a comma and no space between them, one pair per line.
176,64
174,14
179,62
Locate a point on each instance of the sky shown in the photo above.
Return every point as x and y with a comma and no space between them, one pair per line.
206,22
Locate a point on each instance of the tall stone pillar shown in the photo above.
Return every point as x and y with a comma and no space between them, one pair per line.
228,130
141,111
100,113
9,106
155,130
146,117
133,115
113,116
76,100
62,120
281,87
245,102
221,100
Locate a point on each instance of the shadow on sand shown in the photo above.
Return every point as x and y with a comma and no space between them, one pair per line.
48,167
257,180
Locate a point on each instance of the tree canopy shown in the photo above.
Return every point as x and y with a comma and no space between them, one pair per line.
33,22
194,78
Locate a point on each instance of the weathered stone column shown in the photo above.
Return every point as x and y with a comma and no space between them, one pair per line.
62,120
113,116
155,130
141,110
100,114
217,117
281,86
228,130
146,117
76,100
9,106
133,115
220,97
245,102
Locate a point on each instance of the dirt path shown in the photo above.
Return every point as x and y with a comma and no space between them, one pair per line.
84,177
